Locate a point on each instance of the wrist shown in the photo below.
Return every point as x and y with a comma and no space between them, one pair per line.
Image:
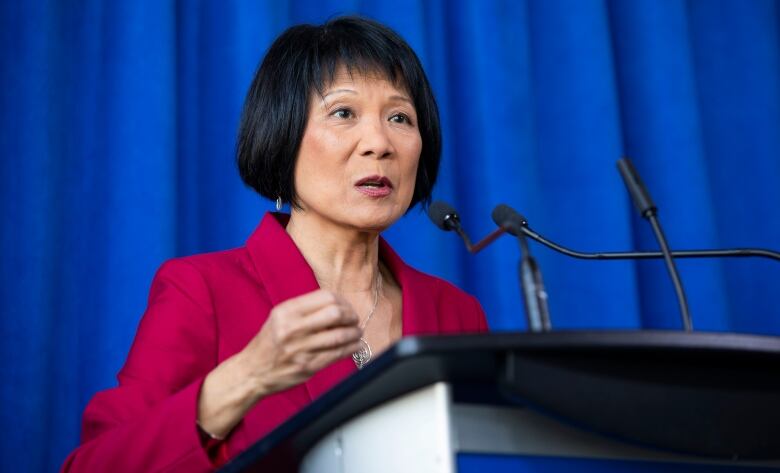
254,381
227,393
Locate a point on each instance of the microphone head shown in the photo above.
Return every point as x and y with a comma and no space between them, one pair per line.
443,215
509,218
639,194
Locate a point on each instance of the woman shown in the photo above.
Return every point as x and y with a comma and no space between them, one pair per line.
341,123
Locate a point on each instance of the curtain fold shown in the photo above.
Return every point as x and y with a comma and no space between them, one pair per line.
118,126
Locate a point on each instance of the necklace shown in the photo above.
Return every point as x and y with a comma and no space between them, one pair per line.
363,355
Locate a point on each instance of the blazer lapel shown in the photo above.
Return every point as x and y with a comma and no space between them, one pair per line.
278,262
285,275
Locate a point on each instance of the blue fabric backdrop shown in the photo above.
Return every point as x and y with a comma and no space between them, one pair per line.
118,123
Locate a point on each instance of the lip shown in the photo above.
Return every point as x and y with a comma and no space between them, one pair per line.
385,190
375,178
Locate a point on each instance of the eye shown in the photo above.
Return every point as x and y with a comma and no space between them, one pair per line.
343,113
401,118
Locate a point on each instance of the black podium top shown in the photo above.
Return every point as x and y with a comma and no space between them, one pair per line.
708,394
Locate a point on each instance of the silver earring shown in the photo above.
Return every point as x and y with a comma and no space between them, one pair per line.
279,203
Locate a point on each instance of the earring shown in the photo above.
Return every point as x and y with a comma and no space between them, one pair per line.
279,203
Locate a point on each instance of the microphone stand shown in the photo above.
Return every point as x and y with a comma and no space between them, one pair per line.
646,207
673,273
531,286
534,295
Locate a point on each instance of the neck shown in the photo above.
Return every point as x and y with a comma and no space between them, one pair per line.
344,260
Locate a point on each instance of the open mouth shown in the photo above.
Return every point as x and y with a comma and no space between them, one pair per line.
374,181
374,186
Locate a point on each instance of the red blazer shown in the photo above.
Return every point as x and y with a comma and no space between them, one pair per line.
204,308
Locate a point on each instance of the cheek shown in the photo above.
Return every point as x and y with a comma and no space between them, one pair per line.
318,160
411,172
410,165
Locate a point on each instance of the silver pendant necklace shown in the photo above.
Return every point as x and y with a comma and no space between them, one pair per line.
363,355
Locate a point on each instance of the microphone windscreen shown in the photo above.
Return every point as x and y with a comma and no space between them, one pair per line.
508,218
438,213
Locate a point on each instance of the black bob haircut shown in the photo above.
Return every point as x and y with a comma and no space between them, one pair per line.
304,59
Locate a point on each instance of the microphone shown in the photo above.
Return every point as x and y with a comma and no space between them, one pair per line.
649,211
534,295
644,204
513,220
510,219
444,216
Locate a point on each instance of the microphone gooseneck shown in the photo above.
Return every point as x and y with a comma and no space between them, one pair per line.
504,213
621,255
531,284
646,207
446,217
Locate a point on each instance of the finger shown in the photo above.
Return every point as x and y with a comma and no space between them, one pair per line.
310,302
342,351
333,315
326,317
334,338
323,358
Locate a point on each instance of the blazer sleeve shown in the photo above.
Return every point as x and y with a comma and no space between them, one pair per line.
148,422
478,316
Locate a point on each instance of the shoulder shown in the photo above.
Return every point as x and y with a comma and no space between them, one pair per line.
204,275
207,266
235,259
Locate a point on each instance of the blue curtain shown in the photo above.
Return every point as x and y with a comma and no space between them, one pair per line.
117,130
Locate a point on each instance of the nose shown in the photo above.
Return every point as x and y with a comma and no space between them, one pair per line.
375,140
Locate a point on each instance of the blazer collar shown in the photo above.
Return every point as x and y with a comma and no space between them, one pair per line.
285,274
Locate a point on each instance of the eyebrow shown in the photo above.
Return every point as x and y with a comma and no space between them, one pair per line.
402,98
350,91
335,91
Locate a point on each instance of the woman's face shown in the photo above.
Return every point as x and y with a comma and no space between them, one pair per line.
357,162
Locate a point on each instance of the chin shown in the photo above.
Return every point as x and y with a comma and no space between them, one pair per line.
373,219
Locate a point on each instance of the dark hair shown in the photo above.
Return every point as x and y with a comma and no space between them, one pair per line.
304,59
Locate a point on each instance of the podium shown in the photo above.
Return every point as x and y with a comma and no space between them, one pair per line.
543,402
